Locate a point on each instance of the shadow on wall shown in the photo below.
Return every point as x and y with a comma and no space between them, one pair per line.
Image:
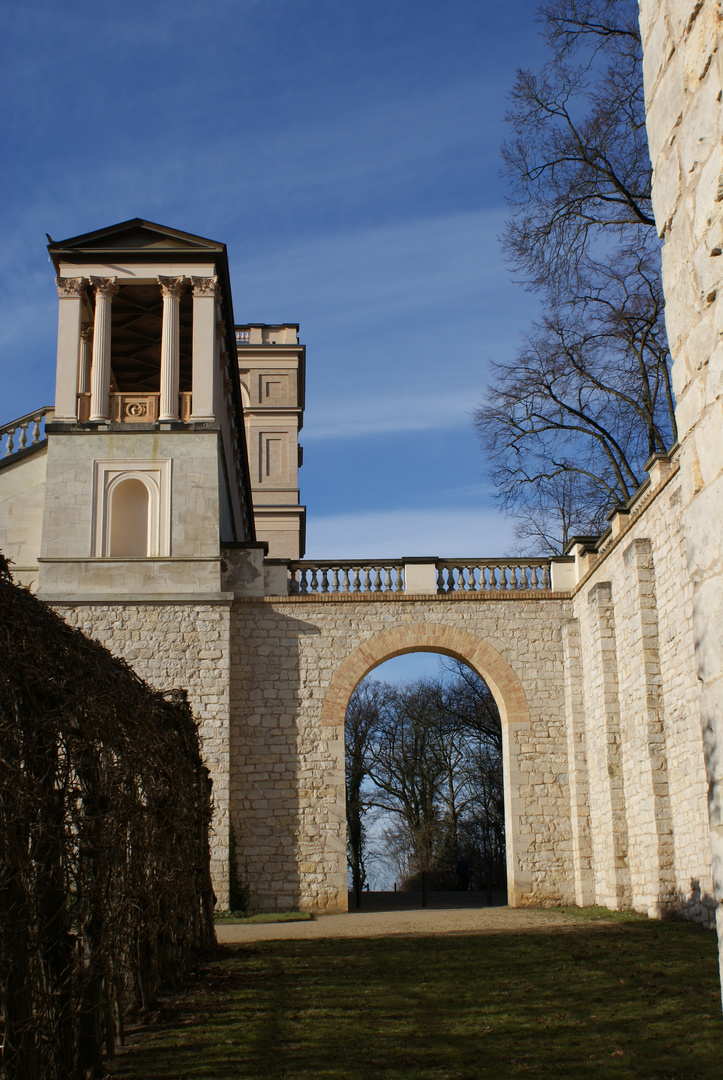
696,906
278,810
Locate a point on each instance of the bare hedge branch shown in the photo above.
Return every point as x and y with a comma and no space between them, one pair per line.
105,807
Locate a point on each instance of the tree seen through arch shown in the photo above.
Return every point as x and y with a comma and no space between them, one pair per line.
424,784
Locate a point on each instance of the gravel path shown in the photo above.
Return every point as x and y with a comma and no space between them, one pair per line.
473,920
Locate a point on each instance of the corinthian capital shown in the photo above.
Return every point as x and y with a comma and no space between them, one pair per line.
70,286
206,286
104,286
172,286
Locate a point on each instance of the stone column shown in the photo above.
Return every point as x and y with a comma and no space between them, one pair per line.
171,288
683,72
86,353
205,368
105,290
71,292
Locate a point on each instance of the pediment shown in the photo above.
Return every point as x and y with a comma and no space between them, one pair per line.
137,236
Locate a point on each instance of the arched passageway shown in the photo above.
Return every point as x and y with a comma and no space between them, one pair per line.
491,666
424,786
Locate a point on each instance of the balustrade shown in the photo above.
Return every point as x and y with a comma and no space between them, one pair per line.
135,408
25,433
453,576
485,575
346,577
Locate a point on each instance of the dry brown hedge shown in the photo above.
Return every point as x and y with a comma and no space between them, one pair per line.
105,807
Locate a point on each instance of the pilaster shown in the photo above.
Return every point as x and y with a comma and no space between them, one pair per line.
648,745
612,873
577,765
71,292
205,370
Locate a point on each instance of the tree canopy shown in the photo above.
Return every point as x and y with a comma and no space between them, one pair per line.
568,426
427,758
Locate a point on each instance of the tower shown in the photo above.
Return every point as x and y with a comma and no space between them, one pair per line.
147,471
272,373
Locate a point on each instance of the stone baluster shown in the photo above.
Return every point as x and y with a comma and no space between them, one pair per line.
356,583
171,289
335,579
36,429
344,580
105,289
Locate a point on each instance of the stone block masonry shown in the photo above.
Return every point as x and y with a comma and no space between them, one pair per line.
683,71
604,780
294,664
183,645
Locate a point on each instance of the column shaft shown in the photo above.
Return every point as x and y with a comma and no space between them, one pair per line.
170,346
86,353
105,290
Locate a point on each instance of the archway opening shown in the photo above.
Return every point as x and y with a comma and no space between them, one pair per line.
424,786
129,519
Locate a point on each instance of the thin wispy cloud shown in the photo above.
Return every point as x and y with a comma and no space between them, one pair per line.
390,534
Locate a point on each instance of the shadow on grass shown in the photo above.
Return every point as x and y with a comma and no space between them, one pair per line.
635,999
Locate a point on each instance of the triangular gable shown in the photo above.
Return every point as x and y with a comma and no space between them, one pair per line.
136,235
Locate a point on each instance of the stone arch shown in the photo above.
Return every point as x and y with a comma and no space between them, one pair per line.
502,681
428,637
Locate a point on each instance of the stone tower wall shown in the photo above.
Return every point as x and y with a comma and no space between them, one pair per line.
683,65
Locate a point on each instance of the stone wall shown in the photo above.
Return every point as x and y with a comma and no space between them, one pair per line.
605,791
185,646
294,664
635,720
683,65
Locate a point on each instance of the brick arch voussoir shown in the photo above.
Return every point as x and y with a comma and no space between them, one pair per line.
427,637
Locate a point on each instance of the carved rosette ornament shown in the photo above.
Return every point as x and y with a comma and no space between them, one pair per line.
206,286
71,287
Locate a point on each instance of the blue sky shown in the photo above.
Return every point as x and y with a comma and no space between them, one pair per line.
347,152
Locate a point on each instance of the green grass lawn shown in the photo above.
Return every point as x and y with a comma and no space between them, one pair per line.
231,918
631,999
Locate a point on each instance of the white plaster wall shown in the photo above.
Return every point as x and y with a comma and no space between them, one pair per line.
22,493
195,509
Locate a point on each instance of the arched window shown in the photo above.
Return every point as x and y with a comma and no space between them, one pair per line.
129,513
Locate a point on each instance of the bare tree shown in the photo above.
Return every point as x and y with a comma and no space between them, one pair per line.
430,763
568,426
364,717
